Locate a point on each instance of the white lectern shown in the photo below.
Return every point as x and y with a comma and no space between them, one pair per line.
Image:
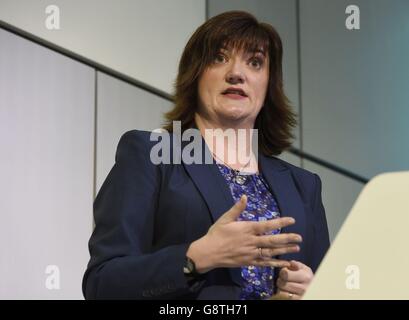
369,258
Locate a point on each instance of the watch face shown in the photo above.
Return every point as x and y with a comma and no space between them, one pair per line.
185,270
189,266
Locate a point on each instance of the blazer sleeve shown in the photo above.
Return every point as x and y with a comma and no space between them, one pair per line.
321,241
122,264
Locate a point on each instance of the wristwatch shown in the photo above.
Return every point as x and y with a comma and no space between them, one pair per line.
189,269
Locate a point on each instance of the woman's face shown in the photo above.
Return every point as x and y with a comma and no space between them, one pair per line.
239,70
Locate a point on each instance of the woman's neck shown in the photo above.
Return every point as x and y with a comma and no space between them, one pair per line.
231,145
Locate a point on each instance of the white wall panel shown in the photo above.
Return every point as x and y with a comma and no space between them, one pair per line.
46,167
141,38
122,107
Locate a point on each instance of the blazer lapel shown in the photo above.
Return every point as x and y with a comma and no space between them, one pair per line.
288,199
210,184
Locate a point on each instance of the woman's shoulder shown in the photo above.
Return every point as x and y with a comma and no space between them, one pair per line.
133,143
300,175
138,135
155,146
144,137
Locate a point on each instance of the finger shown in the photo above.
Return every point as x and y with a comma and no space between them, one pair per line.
283,274
276,246
274,263
261,227
297,265
280,296
234,212
299,276
291,287
285,295
267,252
294,266
272,241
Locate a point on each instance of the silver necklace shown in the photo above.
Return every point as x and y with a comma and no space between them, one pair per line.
238,177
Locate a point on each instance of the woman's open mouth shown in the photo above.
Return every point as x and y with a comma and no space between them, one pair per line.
234,96
234,93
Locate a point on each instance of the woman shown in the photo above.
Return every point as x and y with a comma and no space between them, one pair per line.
226,230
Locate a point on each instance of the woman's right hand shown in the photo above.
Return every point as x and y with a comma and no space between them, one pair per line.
230,243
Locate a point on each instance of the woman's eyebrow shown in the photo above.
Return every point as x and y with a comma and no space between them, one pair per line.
258,51
248,52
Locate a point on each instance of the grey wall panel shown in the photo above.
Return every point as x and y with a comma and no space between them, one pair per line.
355,84
281,14
122,107
46,166
338,194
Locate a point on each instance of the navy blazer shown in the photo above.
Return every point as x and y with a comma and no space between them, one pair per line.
147,215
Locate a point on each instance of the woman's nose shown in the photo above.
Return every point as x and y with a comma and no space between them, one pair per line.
234,77
235,74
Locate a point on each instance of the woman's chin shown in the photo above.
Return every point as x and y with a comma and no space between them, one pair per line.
235,114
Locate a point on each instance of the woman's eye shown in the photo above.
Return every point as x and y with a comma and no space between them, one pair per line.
219,58
257,63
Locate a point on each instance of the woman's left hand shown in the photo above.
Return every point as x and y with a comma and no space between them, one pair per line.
292,282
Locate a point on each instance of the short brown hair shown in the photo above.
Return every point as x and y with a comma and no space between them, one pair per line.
240,30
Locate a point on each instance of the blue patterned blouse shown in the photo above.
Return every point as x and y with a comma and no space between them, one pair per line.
258,282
